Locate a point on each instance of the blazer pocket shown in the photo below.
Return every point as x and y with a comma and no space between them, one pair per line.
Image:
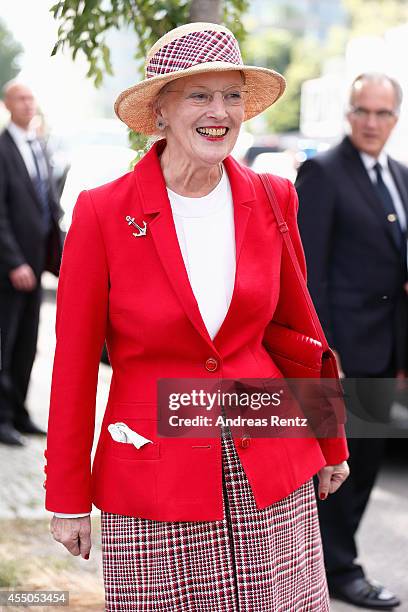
125,450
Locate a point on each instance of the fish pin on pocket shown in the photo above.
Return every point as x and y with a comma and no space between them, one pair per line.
141,230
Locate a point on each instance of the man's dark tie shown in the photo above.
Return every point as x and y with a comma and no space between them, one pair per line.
41,186
389,209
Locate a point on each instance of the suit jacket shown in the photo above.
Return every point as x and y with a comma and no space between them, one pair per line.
22,238
355,269
136,293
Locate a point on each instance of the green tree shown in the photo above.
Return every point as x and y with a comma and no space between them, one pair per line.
270,49
365,17
305,63
84,24
9,53
295,55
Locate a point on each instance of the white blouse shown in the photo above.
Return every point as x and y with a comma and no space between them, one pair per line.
206,235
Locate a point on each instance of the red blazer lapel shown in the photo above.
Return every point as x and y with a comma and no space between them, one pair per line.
152,190
243,195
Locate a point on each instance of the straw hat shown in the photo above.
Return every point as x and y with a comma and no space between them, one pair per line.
194,48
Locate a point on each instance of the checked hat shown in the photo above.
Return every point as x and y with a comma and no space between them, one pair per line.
190,49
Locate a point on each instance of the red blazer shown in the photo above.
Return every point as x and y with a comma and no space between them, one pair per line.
135,293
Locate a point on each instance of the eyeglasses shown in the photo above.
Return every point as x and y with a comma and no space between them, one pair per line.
383,115
201,96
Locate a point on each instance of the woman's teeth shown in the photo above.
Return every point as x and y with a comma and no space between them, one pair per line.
212,131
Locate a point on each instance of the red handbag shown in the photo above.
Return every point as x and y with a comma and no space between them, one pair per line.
299,356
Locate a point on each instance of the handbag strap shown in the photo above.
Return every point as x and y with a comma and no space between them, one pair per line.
284,230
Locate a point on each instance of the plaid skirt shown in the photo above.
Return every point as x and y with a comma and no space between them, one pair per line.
253,560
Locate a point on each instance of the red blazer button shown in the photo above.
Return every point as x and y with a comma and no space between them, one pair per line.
211,364
45,484
245,442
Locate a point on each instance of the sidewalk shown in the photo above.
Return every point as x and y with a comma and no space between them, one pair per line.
29,556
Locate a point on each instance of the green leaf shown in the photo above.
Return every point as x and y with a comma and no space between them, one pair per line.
56,47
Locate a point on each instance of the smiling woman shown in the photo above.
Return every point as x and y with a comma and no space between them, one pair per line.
200,116
180,266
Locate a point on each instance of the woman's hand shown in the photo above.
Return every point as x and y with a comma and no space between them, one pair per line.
73,533
331,477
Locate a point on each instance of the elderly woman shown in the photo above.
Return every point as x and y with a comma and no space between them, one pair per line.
179,265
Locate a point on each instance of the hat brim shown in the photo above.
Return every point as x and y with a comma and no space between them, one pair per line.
134,105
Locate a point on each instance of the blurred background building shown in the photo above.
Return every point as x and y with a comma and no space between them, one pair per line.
315,16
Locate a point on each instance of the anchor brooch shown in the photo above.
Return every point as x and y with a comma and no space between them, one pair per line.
142,230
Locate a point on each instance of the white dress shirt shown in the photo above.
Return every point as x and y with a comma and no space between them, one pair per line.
369,163
21,138
206,234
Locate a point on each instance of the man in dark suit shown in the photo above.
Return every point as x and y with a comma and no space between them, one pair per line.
30,242
353,217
